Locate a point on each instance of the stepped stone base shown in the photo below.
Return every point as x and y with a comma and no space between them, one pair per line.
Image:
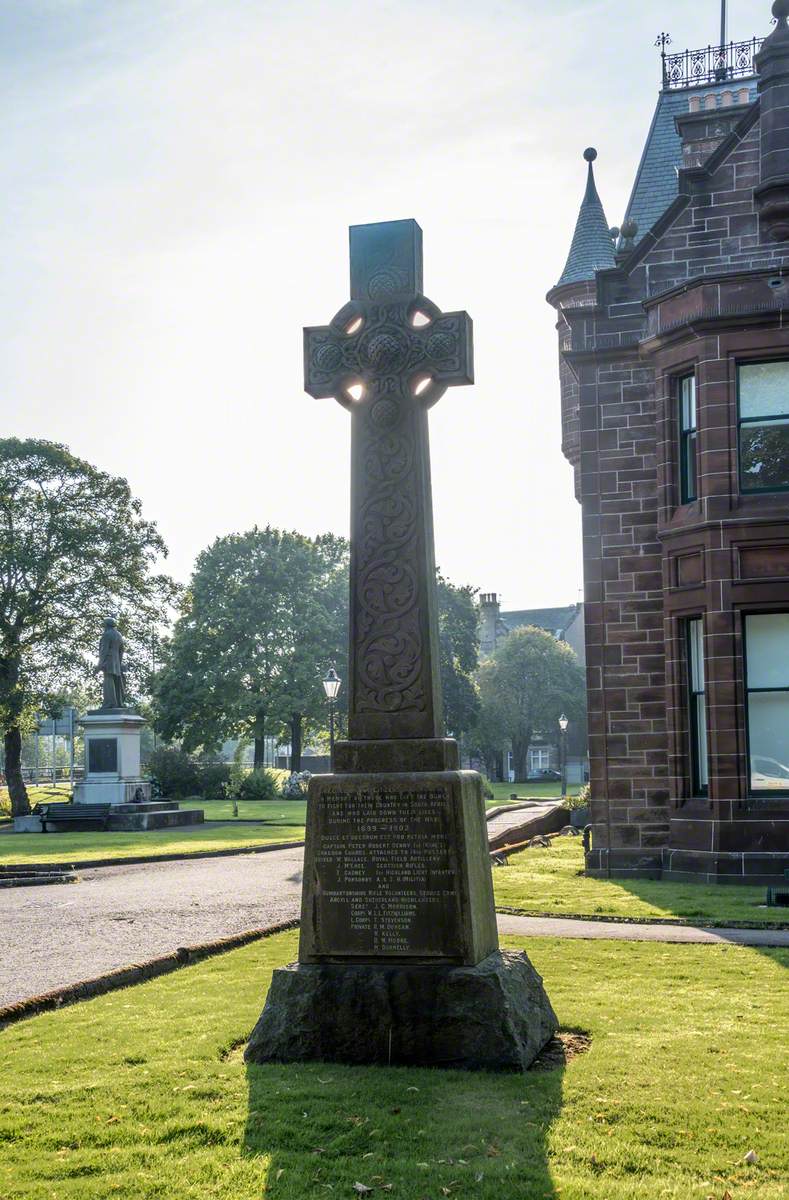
494,1016
123,818
146,806
162,818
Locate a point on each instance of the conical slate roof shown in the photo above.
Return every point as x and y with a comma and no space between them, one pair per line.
592,248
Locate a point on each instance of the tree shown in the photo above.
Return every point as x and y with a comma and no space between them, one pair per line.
530,680
263,617
458,635
74,548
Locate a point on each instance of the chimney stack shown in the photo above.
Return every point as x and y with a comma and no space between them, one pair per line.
489,621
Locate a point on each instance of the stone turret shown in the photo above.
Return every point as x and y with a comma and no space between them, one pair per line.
772,63
592,248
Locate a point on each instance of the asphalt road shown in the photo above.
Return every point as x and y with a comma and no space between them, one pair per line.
65,933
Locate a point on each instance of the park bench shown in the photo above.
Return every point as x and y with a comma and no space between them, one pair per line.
64,812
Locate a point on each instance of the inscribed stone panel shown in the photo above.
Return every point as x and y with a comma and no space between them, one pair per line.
386,874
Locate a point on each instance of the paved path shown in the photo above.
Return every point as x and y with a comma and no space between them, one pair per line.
622,931
519,824
115,916
51,936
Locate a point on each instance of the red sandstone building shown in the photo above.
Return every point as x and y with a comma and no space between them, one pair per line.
674,365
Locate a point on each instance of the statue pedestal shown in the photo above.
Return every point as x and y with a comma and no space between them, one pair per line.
112,758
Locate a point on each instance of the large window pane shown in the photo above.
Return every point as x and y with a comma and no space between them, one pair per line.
768,721
687,389
699,770
764,389
696,632
767,645
767,667
688,489
764,455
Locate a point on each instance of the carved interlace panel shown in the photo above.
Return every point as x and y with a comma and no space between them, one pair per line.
386,370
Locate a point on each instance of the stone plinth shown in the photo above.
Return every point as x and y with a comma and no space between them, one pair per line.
398,955
112,758
490,1017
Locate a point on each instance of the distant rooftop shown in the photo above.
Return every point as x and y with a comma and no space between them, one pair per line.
554,620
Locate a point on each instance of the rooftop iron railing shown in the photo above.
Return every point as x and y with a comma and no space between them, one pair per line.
710,64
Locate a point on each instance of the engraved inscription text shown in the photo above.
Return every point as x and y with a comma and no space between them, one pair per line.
386,880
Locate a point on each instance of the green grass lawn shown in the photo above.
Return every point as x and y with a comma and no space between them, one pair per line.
143,1093
73,847
293,812
539,790
548,880
280,821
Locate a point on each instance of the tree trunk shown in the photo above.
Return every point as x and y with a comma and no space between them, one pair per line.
259,761
20,804
520,756
295,742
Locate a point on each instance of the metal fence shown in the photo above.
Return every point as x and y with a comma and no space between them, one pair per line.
710,64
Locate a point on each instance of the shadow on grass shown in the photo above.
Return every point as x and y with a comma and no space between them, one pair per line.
423,1134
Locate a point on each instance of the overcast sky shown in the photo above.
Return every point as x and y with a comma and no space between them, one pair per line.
177,181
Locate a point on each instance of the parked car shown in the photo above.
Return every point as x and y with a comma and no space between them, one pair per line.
767,774
545,773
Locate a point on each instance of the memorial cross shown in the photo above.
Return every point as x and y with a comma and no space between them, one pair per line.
399,959
388,356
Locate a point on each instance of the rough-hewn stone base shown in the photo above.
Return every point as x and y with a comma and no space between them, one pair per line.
494,1016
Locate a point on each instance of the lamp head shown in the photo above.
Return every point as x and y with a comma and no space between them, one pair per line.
332,684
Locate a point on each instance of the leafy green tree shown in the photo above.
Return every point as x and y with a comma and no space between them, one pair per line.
458,635
264,615
74,548
530,680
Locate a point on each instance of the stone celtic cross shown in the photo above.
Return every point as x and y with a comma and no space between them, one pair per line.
387,356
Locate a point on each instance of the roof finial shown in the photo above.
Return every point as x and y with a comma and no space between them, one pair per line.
781,11
590,154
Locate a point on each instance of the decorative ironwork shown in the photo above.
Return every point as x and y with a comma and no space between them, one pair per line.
710,64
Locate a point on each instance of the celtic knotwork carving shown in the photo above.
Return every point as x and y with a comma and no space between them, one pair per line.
389,659
385,351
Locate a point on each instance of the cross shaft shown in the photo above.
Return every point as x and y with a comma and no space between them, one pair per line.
387,356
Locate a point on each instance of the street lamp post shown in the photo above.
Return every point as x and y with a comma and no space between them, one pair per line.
563,723
331,686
